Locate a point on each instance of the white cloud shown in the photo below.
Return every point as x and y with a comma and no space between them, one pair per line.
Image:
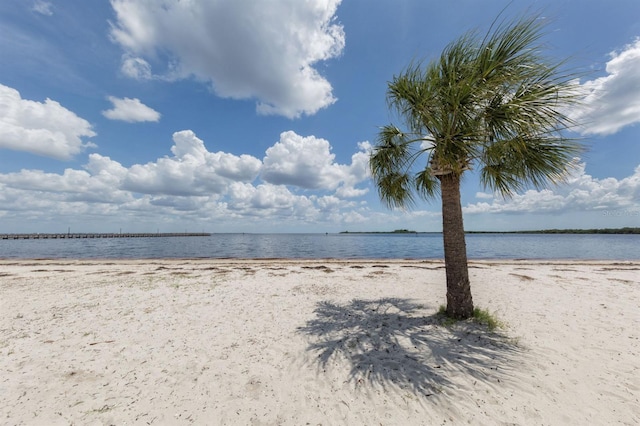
483,195
42,7
350,192
192,170
307,162
130,110
613,101
245,49
46,129
192,184
581,192
71,186
136,68
268,200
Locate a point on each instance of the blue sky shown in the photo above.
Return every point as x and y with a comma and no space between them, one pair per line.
257,116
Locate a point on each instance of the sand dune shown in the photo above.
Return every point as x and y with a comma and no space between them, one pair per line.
267,342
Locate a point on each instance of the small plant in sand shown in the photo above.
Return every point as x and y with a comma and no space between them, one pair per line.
480,316
483,316
445,320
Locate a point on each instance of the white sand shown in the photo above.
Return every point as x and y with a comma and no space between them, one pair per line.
316,342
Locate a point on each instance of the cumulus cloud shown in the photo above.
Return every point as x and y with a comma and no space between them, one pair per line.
193,170
42,7
613,101
130,110
70,186
245,49
266,200
581,192
42,128
136,68
195,183
307,162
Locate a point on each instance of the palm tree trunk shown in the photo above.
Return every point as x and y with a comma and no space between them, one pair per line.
459,300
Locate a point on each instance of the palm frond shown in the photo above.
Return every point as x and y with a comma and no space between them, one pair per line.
513,165
395,190
426,184
391,164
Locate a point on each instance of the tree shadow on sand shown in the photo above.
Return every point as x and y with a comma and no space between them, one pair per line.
391,342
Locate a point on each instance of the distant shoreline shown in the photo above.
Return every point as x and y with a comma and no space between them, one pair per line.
397,231
101,235
625,230
566,231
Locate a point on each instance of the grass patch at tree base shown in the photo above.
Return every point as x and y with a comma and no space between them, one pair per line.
480,316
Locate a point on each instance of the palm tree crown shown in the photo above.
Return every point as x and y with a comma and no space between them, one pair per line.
494,103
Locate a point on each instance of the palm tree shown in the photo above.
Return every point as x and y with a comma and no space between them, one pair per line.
493,103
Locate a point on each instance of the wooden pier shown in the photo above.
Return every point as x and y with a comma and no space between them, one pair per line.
99,235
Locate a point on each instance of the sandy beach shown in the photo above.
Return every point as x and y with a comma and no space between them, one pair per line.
279,342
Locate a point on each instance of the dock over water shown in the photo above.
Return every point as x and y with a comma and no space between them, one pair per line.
100,235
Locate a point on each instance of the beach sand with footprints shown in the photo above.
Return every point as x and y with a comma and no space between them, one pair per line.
266,342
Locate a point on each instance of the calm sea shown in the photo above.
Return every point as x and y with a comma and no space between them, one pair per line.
337,246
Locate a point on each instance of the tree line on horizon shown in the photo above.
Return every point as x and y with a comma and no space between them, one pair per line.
625,230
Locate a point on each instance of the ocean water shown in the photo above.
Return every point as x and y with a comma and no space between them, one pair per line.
335,246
